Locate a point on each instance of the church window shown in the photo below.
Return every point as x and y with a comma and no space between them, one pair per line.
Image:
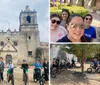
29,37
28,19
2,43
29,53
15,44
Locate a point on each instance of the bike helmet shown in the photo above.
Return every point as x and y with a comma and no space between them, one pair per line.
37,59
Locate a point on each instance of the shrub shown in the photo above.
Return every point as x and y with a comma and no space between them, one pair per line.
72,9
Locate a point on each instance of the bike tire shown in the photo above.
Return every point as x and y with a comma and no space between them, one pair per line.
89,70
25,80
41,82
12,80
98,70
59,71
53,75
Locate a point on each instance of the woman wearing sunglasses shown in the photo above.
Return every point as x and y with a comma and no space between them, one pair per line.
56,31
75,30
90,31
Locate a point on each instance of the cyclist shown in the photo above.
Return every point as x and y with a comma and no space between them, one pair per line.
37,69
73,62
10,67
54,65
25,67
1,68
46,70
95,63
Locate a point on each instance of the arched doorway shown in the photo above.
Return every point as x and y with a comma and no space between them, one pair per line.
8,57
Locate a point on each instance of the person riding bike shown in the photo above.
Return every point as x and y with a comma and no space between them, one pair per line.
73,62
95,63
25,67
54,64
46,70
10,67
57,62
37,69
1,69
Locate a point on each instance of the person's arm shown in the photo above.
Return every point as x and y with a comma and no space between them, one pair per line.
94,35
27,66
34,66
43,65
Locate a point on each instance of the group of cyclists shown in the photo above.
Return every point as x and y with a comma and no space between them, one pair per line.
66,63
37,66
61,63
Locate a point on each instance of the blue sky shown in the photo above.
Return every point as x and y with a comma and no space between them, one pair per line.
9,15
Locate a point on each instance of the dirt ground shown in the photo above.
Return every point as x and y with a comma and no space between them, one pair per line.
67,77
18,77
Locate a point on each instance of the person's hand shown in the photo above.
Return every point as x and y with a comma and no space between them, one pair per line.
34,67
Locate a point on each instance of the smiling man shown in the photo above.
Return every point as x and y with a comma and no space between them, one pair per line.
90,31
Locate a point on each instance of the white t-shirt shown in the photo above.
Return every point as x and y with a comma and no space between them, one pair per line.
58,34
9,66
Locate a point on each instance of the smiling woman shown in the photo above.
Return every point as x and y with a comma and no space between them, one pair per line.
75,30
56,31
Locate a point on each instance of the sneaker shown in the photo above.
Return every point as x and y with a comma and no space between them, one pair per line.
46,82
28,83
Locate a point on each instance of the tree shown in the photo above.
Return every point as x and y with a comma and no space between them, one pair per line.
83,3
82,51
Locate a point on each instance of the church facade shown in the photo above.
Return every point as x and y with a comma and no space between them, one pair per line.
22,44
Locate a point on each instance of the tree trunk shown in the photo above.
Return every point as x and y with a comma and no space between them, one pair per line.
64,1
83,3
82,66
82,61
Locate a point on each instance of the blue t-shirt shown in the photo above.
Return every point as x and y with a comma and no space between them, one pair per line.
90,33
37,65
95,63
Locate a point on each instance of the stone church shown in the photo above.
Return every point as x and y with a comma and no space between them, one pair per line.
22,44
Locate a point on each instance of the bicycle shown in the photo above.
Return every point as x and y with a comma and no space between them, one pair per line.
11,76
92,68
41,78
25,78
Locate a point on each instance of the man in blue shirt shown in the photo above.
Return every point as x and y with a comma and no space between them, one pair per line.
90,31
37,69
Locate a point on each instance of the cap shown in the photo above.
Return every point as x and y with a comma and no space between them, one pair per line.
37,59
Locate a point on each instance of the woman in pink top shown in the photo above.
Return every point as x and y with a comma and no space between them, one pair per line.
56,31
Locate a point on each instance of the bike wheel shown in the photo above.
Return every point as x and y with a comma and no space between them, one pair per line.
53,75
58,71
12,80
89,70
25,80
41,82
98,70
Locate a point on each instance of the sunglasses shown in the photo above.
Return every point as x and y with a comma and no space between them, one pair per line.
88,19
55,21
73,25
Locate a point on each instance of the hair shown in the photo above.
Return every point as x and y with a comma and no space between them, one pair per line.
1,57
72,16
66,10
88,15
55,15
